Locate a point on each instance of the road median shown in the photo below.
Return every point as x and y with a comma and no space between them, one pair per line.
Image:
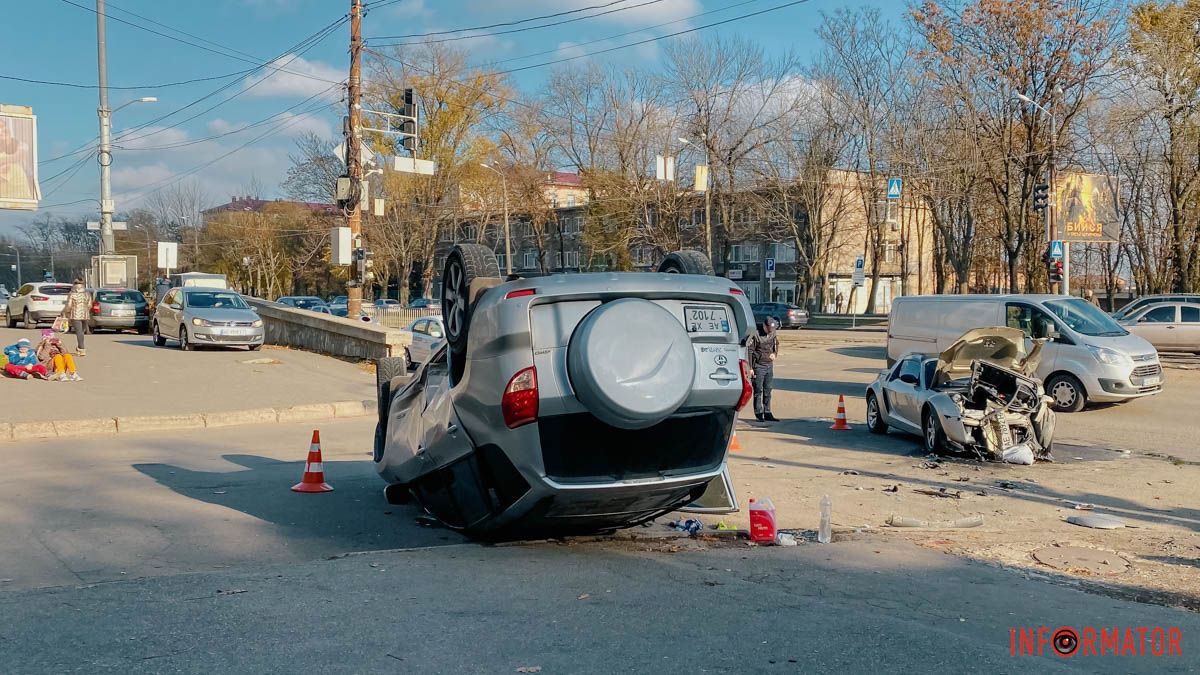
132,424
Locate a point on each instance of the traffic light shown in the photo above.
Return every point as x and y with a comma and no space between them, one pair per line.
1056,271
408,127
1041,196
364,261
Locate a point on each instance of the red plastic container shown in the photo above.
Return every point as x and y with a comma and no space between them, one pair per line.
762,520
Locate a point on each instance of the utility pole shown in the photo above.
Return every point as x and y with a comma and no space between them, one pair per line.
105,157
354,167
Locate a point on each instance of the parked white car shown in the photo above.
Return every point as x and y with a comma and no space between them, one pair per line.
427,335
37,303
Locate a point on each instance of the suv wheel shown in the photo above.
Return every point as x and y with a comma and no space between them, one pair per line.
464,264
10,320
686,262
875,422
931,432
27,319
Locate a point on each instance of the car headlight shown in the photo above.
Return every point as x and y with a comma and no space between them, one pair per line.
197,321
257,323
1109,356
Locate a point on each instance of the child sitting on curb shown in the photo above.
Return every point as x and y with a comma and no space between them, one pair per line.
56,359
23,362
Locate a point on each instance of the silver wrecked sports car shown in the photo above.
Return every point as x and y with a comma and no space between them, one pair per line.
979,395
569,402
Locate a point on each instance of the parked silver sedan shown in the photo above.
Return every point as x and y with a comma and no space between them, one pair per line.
1169,326
206,316
427,334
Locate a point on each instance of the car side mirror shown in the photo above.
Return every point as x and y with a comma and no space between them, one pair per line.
1052,334
253,309
909,378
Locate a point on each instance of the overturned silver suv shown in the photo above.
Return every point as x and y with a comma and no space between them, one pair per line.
979,396
569,402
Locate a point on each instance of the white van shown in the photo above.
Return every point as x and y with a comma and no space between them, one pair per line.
1091,358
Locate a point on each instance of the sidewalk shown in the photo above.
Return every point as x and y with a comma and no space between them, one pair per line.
126,376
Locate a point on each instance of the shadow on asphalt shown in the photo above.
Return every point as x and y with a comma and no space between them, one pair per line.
865,352
354,517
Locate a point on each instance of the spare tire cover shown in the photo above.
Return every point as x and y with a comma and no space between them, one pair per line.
631,363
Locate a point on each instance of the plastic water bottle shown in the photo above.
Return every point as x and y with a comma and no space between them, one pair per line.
825,534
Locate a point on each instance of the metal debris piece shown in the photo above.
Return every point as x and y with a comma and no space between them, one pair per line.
892,488
963,479
849,472
1080,506
927,465
1081,559
940,492
1098,521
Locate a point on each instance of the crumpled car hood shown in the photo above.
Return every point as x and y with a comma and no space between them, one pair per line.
998,345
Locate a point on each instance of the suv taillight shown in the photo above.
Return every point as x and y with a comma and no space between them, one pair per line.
747,388
95,307
520,401
38,298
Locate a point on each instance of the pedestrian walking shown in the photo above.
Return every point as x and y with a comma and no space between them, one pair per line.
79,303
839,300
55,358
762,348
22,361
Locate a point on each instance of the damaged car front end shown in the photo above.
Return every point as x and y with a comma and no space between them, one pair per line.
978,396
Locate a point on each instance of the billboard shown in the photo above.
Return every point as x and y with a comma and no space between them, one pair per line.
1087,207
18,158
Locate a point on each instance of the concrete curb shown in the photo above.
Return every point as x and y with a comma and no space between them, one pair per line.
25,431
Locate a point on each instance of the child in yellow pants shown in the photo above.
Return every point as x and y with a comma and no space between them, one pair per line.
56,358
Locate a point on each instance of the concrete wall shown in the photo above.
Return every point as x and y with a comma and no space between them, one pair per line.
327,334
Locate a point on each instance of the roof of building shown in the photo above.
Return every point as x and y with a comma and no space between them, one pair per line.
251,204
564,178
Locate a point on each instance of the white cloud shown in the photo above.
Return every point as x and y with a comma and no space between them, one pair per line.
131,178
412,9
296,76
305,123
149,137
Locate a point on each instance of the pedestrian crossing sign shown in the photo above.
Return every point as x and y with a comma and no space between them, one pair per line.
894,186
1056,248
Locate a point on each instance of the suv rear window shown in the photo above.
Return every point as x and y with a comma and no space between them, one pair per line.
120,297
54,290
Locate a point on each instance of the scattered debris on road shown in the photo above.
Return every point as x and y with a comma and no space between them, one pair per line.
904,521
1097,521
940,492
1080,506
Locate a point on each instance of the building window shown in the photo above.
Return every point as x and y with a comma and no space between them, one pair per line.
643,257
889,253
743,253
572,258
531,260
502,261
447,234
554,201
783,253
570,201
470,233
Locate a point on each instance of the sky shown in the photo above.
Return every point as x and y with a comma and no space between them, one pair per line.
237,128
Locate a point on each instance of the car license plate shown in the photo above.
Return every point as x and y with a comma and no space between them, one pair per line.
709,319
122,312
233,331
1151,381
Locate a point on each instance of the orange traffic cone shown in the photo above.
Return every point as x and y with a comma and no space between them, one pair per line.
314,469
734,446
839,420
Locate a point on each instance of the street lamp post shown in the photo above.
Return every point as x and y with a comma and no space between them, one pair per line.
708,248
107,208
507,233
1051,228
18,265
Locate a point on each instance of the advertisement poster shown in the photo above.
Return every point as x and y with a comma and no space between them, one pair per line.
1087,208
18,159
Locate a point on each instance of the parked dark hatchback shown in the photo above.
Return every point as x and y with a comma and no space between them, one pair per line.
788,315
119,309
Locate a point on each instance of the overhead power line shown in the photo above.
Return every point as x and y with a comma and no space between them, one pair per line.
384,3
514,30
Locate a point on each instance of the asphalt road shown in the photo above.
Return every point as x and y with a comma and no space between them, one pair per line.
189,554
125,374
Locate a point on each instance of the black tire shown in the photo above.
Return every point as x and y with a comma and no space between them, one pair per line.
255,348
27,319
686,262
159,340
397,494
1067,391
875,423
464,264
932,437
408,358
144,330
184,343
10,320
385,370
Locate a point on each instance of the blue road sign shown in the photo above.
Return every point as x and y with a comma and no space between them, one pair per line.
1056,248
769,266
894,186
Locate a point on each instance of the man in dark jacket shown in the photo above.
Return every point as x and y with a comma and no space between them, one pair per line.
762,348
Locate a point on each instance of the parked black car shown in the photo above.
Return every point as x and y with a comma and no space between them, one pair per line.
788,315
119,309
